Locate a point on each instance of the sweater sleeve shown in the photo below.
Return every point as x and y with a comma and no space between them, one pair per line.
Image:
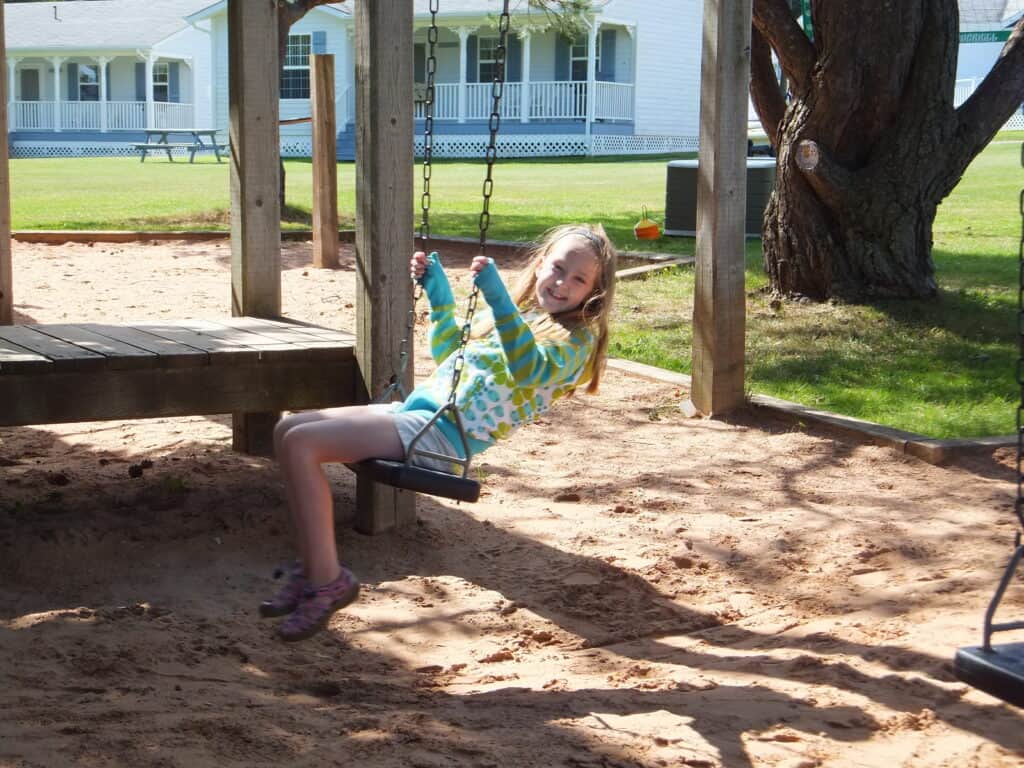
531,363
445,333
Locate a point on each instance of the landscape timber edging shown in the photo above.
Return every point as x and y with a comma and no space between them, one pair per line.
931,450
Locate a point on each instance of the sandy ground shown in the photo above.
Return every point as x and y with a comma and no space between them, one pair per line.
634,588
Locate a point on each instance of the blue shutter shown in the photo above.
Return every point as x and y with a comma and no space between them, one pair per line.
419,63
515,60
561,58
173,83
606,66
72,74
140,81
471,68
108,81
319,42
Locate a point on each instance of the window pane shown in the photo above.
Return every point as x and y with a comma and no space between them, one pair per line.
487,69
161,72
486,47
295,84
299,48
89,93
160,93
88,74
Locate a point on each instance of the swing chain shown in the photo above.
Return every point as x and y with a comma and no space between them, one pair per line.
497,88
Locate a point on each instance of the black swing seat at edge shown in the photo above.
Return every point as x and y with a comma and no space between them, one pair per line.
414,478
998,670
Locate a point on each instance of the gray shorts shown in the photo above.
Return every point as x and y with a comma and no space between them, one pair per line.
408,424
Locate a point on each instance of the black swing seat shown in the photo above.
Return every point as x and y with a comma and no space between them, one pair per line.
998,670
410,477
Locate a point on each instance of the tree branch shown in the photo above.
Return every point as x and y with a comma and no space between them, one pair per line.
825,176
764,87
995,100
774,20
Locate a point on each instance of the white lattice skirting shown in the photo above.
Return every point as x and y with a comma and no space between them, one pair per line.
23,149
558,145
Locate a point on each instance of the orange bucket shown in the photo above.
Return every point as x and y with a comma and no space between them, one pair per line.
647,228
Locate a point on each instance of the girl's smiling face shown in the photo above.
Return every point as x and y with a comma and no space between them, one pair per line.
567,275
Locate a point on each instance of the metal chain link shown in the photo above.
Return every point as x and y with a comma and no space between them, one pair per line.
497,88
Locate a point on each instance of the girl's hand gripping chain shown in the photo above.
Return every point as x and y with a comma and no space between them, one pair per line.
428,272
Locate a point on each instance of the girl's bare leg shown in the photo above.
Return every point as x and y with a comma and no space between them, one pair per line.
337,435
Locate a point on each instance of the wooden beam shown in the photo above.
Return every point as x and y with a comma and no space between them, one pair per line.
719,311
6,263
253,74
325,162
384,233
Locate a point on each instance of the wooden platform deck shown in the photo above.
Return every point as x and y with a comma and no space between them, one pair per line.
98,371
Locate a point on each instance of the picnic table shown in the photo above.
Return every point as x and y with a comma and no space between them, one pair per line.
192,139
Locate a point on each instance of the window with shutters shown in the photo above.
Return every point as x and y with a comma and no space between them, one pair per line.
161,81
88,82
295,68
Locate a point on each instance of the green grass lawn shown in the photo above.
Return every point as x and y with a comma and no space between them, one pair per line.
943,368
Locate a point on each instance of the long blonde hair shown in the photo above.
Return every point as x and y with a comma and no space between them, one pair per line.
595,310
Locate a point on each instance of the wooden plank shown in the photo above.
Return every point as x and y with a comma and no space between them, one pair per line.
325,162
270,349
170,354
6,265
316,331
719,312
61,397
15,359
384,163
120,355
221,352
253,74
65,356
290,334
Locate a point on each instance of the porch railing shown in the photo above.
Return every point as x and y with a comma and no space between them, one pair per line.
545,101
86,115
558,100
613,101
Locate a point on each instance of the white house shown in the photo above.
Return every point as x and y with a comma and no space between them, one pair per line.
87,77
984,29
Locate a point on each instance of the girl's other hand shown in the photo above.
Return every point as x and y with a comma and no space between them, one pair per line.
479,263
418,265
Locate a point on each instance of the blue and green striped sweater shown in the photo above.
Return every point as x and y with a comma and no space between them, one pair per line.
509,377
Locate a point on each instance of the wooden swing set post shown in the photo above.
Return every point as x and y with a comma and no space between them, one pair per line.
719,305
6,265
255,206
384,235
325,162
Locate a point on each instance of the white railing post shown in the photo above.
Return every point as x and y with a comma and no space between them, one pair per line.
150,107
463,52
524,95
12,66
102,61
591,95
57,62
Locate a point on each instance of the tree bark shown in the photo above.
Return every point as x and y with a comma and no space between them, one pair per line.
869,143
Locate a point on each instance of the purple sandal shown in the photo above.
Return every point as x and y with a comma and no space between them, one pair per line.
288,596
317,606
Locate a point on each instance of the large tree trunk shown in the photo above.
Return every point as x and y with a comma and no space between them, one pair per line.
868,144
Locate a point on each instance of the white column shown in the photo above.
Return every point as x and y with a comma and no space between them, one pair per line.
102,62
346,81
524,86
150,110
463,37
12,67
57,62
591,78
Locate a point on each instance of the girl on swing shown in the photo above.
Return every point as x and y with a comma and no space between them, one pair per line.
535,346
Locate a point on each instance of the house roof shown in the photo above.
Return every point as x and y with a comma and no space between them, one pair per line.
990,13
481,7
95,24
